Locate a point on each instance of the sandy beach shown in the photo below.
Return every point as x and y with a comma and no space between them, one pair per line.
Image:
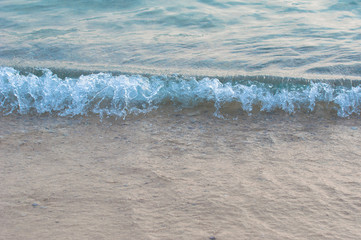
185,175
180,120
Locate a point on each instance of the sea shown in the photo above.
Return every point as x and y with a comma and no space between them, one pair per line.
116,58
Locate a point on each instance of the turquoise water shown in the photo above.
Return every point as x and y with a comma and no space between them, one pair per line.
254,42
120,95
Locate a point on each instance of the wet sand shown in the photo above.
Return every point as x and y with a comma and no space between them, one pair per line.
182,175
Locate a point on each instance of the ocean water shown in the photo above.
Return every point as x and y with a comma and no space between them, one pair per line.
115,58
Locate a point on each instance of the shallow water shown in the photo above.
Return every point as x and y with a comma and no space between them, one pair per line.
180,176
311,39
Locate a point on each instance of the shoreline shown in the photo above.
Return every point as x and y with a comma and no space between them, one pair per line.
183,175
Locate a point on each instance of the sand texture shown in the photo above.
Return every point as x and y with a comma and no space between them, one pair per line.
180,176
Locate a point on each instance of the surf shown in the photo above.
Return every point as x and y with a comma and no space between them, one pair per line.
106,94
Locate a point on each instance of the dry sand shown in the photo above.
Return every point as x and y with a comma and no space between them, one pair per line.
180,176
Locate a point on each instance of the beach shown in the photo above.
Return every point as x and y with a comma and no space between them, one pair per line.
180,175
200,120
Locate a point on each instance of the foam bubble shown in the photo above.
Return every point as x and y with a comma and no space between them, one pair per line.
121,95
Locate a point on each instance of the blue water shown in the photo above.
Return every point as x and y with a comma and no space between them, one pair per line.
239,53
107,95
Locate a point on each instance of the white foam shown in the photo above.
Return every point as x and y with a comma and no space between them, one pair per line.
121,95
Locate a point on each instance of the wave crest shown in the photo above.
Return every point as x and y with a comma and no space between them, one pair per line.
121,95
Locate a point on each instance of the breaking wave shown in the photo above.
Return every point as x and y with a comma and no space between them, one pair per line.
106,94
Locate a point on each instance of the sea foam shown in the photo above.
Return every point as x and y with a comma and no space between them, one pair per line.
105,94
